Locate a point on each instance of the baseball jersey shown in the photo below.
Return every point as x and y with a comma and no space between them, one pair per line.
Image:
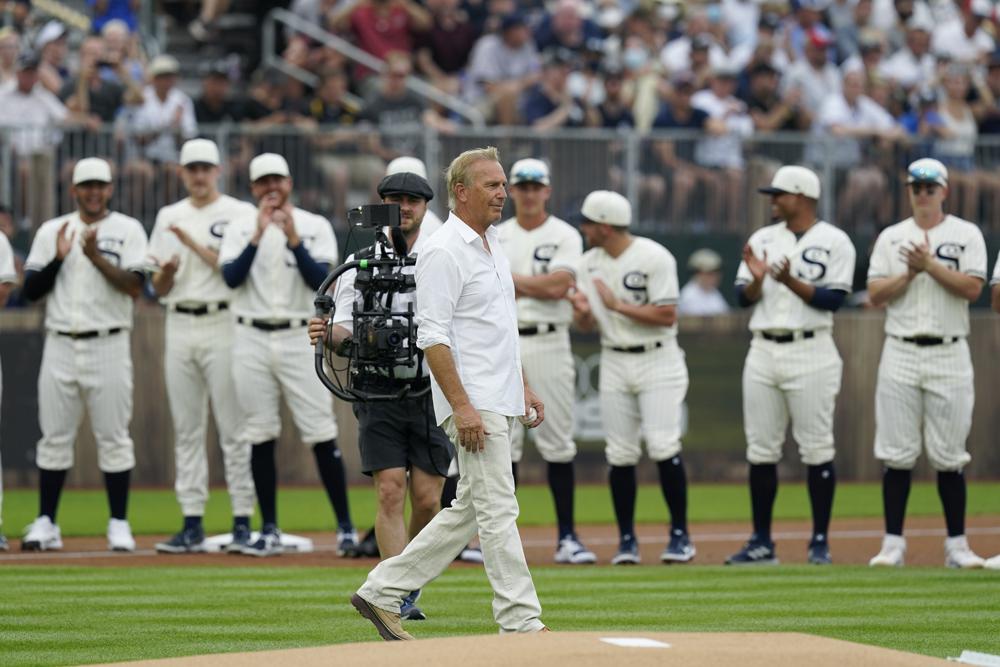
926,308
823,256
82,298
275,288
8,274
646,273
195,281
553,246
996,272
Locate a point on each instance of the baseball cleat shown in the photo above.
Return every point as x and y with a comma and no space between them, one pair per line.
241,539
679,549
347,543
268,544
4,546
188,540
755,552
958,554
386,622
409,610
120,536
819,552
628,552
41,535
571,551
992,563
471,555
892,553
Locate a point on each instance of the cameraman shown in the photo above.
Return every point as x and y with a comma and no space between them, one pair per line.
395,436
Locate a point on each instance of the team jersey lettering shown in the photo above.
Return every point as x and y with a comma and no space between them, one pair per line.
816,260
635,282
542,257
218,228
111,248
949,253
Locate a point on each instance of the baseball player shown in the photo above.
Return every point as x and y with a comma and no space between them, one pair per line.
91,264
628,288
8,278
184,251
543,252
925,270
275,258
795,274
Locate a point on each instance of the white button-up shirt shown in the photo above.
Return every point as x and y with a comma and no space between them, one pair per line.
466,298
82,298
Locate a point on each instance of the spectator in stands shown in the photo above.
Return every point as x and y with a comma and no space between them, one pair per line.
912,65
955,145
700,296
771,111
548,104
868,59
988,110
567,28
105,11
395,108
89,93
964,38
762,49
216,105
500,68
814,75
894,18
32,109
851,26
443,50
740,17
676,56
120,61
9,229
52,44
615,110
19,15
10,45
203,28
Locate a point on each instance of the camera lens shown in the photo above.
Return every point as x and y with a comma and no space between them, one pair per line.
394,339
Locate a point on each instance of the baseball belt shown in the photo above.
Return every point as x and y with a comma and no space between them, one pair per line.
786,337
93,333
536,329
272,325
926,341
200,309
638,349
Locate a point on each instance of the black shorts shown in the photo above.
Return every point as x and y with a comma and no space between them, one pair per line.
401,434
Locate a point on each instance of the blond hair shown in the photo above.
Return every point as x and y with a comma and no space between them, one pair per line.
458,170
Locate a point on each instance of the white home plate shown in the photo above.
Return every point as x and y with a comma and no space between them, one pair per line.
634,642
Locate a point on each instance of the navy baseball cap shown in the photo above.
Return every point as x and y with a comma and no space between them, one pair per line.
405,183
512,20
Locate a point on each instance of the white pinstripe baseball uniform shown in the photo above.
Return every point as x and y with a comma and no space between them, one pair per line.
7,275
92,365
267,364
545,349
199,353
925,391
641,392
797,378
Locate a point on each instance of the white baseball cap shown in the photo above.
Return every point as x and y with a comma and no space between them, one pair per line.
268,164
529,170
795,180
704,260
50,32
199,151
406,165
607,208
164,64
927,170
91,169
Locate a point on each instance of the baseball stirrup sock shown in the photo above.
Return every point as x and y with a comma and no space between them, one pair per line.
116,484
50,486
561,483
192,522
265,480
331,470
514,472
895,492
623,490
951,489
822,482
763,491
449,491
673,484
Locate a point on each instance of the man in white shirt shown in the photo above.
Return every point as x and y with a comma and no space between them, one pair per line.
275,258
963,38
91,264
32,110
184,254
814,76
8,279
700,296
628,288
926,270
544,252
913,64
796,274
468,331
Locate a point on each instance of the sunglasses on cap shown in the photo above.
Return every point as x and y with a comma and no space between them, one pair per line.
926,174
529,174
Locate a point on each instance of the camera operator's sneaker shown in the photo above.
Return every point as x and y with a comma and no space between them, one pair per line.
819,551
755,552
679,549
409,611
188,540
41,535
120,536
892,553
958,554
347,543
571,551
241,539
268,544
628,552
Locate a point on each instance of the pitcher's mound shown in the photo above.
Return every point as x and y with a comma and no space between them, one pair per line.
580,649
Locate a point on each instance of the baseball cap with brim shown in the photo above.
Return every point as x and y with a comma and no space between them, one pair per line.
820,37
607,208
514,20
27,60
50,32
199,151
529,170
405,183
704,260
927,170
793,180
406,163
268,164
163,65
91,169
701,42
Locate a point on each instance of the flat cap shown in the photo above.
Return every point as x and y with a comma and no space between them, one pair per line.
405,183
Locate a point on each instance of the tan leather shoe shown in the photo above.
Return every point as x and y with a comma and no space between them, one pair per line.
386,622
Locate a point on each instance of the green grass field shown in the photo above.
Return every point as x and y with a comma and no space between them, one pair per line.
84,512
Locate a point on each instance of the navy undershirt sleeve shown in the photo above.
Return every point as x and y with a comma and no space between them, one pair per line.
827,299
39,283
741,297
235,272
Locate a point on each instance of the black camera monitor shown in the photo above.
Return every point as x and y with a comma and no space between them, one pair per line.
374,216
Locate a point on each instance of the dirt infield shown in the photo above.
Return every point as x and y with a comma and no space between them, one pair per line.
852,542
581,649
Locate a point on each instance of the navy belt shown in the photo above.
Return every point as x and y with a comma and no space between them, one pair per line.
94,333
272,325
638,349
927,341
787,337
537,329
203,309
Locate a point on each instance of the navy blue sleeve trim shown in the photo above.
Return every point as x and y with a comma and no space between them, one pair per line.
39,283
741,297
313,272
235,272
824,298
